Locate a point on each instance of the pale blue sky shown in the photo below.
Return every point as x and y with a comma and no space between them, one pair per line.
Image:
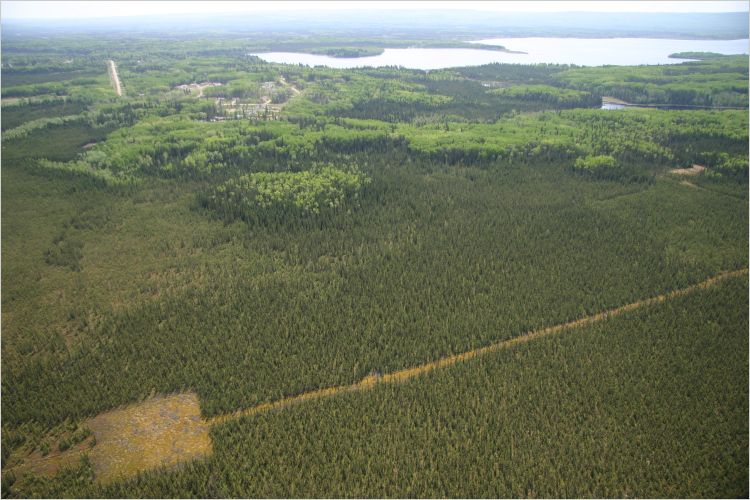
76,9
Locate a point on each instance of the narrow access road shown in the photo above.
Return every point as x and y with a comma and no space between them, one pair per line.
114,78
291,87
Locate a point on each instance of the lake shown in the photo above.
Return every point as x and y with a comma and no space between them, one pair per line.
580,51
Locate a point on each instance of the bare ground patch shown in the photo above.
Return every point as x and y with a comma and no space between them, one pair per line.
193,87
694,170
161,431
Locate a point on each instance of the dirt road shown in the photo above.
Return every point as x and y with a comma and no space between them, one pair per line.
114,78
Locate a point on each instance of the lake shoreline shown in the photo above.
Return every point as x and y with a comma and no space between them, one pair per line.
539,50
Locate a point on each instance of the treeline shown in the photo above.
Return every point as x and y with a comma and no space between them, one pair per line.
720,82
279,198
103,116
605,167
642,142
26,110
514,73
562,98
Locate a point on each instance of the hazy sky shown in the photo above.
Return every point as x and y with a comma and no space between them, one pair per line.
46,9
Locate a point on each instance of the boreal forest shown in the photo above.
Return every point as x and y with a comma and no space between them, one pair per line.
226,277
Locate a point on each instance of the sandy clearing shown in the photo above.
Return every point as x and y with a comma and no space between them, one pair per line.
161,431
10,100
614,100
694,170
190,87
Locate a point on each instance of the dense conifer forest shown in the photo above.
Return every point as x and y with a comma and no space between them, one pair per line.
248,232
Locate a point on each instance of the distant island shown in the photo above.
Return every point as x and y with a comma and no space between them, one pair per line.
696,55
370,47
347,51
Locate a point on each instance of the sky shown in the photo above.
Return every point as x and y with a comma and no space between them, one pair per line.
98,9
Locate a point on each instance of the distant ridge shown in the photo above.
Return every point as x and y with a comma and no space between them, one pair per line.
390,23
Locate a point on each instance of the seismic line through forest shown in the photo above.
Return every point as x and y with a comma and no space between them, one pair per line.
408,373
168,430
